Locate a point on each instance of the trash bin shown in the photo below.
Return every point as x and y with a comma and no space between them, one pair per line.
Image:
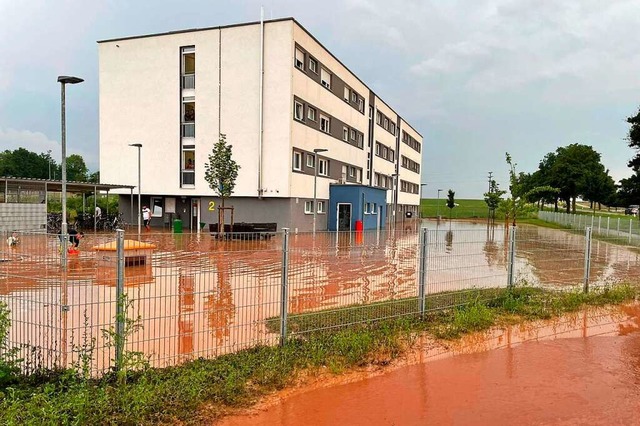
359,226
177,226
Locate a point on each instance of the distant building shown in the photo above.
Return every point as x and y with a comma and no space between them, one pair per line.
175,92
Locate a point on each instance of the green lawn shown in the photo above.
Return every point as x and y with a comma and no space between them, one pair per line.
466,209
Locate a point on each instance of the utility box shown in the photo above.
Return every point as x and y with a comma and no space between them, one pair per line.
137,262
177,226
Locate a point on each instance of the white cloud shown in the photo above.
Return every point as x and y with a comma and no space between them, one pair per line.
11,139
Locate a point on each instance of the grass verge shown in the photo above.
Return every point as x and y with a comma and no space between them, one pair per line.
203,390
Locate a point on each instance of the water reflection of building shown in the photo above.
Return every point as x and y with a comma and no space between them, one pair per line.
219,303
186,305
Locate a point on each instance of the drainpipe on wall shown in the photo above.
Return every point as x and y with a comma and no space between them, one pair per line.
261,101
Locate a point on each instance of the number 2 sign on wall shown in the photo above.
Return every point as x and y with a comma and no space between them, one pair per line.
212,206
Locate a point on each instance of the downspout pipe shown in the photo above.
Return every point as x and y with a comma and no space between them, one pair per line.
260,107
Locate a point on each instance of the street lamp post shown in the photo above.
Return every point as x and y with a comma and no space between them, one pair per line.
422,185
315,183
438,206
64,80
139,146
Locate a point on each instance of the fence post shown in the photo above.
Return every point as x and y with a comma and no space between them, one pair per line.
608,223
599,221
284,284
119,339
587,258
422,275
512,256
630,223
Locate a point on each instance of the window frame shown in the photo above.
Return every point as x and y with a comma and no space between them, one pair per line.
308,207
297,104
309,115
345,134
313,68
297,155
325,82
323,167
346,93
324,118
300,65
321,208
311,164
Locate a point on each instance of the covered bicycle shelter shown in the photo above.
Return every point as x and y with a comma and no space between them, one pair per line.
24,201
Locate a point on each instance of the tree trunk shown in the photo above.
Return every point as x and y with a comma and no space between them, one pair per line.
555,205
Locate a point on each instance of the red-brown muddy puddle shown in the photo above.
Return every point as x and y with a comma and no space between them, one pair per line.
580,369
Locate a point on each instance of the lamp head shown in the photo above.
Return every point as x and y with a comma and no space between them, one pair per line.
65,79
137,145
318,150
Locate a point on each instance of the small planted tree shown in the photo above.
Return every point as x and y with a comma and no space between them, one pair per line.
451,203
221,173
493,198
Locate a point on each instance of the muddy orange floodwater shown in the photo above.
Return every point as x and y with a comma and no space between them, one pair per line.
579,370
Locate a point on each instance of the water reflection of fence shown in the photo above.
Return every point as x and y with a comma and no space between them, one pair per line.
197,296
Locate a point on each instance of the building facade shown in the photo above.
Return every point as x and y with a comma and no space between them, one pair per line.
297,118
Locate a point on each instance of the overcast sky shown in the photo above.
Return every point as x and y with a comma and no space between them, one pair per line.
476,78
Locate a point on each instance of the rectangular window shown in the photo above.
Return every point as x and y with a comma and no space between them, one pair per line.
157,206
299,62
313,65
376,179
392,155
367,208
353,135
345,134
392,129
360,140
359,175
297,160
311,160
323,167
352,171
375,208
361,105
379,118
321,207
325,124
346,94
325,78
188,68
354,97
386,123
298,111
308,207
377,148
311,113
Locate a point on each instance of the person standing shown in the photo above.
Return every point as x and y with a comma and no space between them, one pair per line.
98,212
146,217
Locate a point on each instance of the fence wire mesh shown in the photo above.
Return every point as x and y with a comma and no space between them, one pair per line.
197,295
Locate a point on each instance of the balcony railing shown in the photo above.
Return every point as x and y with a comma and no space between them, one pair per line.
188,130
189,81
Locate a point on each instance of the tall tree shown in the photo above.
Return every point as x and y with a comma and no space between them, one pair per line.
24,163
76,169
633,139
221,172
570,170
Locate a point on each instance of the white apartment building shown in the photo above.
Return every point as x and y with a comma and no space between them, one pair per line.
277,94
